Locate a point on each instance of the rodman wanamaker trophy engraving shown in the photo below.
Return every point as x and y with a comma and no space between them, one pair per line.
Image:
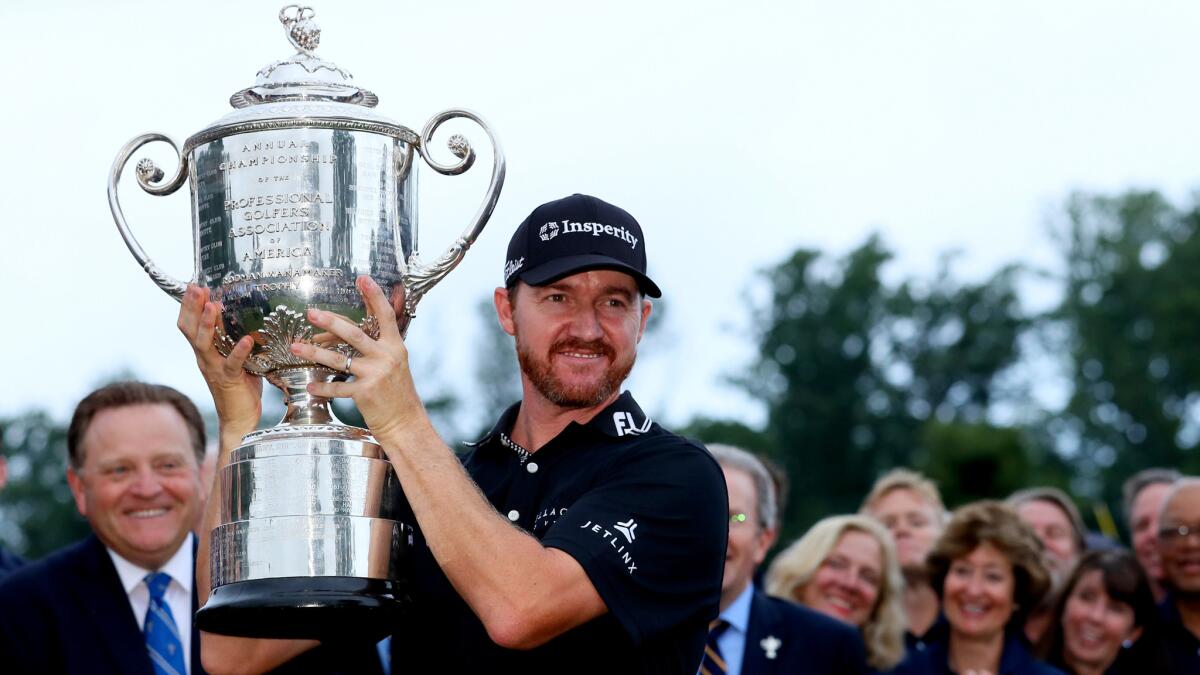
298,191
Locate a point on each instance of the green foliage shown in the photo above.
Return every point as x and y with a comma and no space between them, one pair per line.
982,461
37,512
858,375
708,430
1130,322
853,372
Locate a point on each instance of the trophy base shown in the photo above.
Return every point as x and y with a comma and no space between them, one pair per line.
321,608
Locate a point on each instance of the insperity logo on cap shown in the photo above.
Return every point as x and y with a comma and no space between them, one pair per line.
577,234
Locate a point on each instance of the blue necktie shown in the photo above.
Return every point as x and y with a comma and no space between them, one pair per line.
162,635
713,663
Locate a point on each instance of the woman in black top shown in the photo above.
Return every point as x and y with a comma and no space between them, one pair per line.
1106,622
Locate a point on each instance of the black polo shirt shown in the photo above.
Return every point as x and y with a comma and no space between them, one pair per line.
642,510
1183,648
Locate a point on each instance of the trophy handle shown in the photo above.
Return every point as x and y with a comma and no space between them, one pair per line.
150,177
418,278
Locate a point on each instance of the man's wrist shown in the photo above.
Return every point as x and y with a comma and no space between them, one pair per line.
231,435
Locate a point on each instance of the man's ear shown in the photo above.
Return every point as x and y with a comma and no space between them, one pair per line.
766,539
504,310
646,307
76,484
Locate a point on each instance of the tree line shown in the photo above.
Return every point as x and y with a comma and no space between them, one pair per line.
858,375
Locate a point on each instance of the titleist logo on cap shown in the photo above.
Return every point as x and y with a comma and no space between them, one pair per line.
511,267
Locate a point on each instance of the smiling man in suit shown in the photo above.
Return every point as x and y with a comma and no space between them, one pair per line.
121,600
756,634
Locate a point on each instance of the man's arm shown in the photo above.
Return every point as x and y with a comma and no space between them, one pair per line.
524,593
237,396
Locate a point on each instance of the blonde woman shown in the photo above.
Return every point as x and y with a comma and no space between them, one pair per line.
846,567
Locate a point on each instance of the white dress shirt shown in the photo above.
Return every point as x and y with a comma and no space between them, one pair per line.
178,596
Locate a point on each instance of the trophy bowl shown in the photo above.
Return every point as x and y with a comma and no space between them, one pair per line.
296,193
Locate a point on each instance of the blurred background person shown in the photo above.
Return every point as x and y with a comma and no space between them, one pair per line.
755,633
1057,523
989,570
845,567
1106,620
9,561
1179,549
1143,495
910,507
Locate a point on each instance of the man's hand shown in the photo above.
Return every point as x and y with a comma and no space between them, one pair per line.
236,393
382,387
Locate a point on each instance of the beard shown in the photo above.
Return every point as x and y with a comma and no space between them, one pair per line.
541,375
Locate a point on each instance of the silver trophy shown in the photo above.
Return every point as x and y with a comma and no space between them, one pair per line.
297,192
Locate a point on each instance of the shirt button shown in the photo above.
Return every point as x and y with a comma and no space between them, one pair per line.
531,467
513,515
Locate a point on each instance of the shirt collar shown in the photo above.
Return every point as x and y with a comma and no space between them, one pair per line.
179,567
737,614
622,417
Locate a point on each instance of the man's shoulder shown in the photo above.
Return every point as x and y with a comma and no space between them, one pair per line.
42,579
796,618
799,639
658,439
9,562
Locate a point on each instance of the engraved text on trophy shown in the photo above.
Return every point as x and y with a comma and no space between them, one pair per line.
291,217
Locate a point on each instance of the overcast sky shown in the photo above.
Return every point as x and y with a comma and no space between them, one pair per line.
735,132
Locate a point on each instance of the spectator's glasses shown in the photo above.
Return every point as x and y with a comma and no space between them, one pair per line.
1177,535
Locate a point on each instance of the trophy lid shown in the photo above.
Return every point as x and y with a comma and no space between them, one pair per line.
302,76
301,91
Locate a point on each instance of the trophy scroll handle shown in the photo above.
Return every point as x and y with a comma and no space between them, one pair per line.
419,278
150,178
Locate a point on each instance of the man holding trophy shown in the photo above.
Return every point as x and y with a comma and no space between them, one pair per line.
577,536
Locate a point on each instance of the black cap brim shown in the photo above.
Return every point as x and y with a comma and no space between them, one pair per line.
556,269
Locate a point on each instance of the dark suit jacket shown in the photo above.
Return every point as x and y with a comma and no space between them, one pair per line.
9,562
803,641
1016,659
68,613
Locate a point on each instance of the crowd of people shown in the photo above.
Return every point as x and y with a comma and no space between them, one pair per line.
1009,587
514,560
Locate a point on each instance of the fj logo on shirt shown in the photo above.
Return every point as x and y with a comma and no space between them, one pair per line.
626,528
626,426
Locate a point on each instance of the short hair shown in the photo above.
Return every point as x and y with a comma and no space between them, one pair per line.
1133,486
991,522
905,479
1062,501
1178,486
793,569
1124,581
764,484
121,394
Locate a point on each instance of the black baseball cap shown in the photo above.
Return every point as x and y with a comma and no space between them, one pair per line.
577,234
